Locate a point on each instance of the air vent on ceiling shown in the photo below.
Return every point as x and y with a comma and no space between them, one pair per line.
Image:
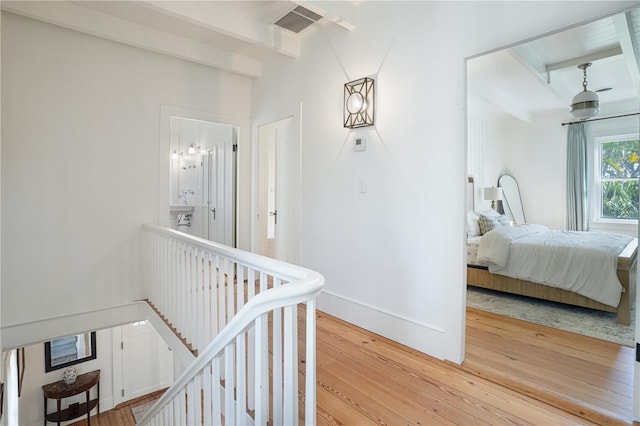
298,19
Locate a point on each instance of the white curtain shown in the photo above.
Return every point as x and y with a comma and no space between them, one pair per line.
577,219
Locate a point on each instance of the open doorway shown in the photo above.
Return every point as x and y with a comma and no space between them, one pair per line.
516,101
202,183
278,189
518,98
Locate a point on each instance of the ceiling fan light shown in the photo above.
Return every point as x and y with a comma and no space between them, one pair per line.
585,104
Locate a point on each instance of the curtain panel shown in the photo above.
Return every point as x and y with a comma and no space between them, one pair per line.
577,219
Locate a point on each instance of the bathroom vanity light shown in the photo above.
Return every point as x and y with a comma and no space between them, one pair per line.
192,148
174,154
359,103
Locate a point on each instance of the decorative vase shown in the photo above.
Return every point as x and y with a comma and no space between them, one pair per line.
69,375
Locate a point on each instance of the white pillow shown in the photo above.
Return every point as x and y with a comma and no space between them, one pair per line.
473,228
488,223
487,213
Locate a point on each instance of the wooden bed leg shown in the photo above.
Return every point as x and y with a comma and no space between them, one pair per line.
624,313
624,316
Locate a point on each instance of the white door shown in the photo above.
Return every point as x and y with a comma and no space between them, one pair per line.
143,363
219,183
268,212
279,189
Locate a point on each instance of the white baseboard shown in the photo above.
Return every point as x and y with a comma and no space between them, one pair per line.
426,338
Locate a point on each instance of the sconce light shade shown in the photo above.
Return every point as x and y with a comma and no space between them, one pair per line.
359,103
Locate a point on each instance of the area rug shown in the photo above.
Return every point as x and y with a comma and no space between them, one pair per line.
588,322
139,411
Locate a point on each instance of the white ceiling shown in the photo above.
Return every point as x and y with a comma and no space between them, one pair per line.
541,76
229,35
245,18
532,79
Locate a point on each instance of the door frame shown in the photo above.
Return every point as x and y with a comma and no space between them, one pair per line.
119,362
243,222
636,369
288,236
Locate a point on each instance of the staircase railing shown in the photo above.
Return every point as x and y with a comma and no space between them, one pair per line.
240,312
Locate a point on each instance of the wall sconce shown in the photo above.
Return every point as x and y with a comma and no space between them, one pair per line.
493,194
359,103
174,154
192,148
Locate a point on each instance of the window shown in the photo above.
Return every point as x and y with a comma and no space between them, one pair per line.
70,350
617,180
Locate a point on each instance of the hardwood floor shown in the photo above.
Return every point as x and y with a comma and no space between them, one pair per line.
121,415
515,373
366,379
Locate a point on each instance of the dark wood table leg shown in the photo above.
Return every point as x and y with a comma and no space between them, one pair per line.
88,410
45,411
59,400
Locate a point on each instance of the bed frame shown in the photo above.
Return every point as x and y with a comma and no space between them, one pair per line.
479,276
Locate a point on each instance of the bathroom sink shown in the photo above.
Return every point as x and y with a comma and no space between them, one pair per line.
180,208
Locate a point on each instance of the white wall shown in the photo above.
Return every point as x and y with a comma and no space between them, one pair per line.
536,155
485,154
80,161
393,257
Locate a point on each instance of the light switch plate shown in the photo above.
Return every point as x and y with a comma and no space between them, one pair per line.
359,143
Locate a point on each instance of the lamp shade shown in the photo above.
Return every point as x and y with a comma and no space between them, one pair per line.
493,193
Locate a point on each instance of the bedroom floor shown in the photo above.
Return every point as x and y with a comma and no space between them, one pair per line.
514,373
581,375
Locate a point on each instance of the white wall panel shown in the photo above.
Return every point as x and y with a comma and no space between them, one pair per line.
393,257
80,161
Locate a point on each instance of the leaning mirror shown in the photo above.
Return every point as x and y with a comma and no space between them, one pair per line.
511,201
69,350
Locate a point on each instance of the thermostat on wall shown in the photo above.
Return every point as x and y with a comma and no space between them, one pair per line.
359,144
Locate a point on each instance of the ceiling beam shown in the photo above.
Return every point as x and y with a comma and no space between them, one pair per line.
627,34
217,18
574,62
88,21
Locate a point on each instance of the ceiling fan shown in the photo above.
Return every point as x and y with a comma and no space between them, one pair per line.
586,104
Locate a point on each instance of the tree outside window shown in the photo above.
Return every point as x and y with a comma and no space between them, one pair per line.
619,172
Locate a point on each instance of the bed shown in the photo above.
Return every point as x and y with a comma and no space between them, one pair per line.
479,275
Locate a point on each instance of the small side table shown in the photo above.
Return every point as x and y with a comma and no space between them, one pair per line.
59,390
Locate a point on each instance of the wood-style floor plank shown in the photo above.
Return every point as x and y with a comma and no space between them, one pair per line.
582,375
515,373
121,415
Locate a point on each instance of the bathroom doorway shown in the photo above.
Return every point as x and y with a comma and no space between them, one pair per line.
202,183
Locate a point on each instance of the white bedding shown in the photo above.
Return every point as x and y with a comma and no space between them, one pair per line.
581,262
472,250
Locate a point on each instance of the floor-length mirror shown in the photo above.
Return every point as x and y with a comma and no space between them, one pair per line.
511,199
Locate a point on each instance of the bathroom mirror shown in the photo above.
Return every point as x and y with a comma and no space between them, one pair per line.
69,350
511,201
